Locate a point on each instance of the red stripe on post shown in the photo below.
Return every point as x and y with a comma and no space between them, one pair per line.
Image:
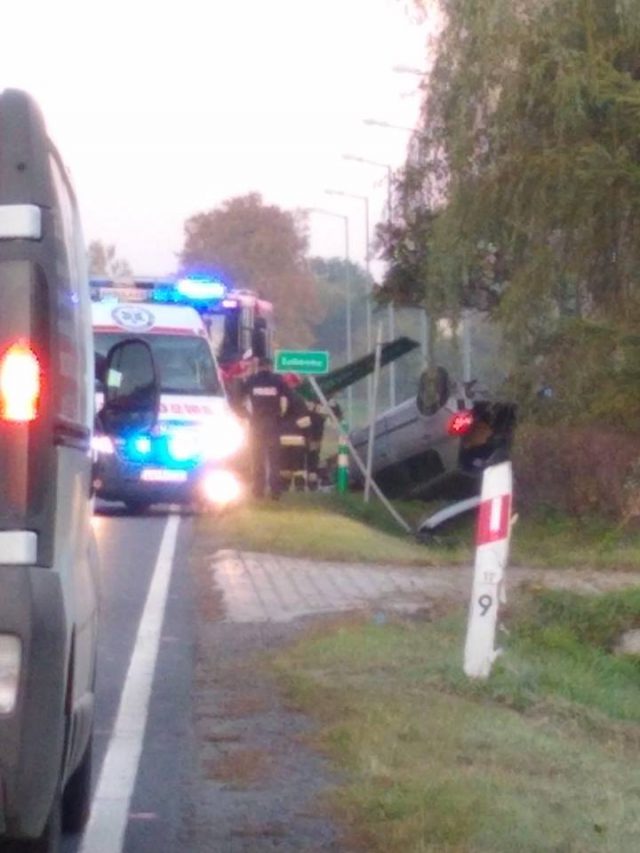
494,518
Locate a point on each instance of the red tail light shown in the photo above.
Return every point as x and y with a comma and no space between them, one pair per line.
19,384
460,423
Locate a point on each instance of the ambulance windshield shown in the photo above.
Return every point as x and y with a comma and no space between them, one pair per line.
185,362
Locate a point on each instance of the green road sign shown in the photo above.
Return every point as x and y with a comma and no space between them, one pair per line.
301,361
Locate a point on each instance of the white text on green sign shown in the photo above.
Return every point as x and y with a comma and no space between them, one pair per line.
301,361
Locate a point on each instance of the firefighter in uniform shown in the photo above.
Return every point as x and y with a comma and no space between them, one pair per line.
267,398
318,416
294,436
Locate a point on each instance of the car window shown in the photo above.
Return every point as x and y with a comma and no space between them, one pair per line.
433,390
185,362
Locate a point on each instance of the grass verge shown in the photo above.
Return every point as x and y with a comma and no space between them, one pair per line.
542,756
552,540
343,527
323,526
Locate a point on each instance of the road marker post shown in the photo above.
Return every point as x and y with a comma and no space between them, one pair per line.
493,533
342,470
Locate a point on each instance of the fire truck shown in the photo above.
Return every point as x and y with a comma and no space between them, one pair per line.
239,322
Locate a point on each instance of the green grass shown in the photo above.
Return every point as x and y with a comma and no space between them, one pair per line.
552,540
542,756
342,527
316,526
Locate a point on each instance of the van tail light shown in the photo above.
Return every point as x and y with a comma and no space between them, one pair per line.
19,384
460,423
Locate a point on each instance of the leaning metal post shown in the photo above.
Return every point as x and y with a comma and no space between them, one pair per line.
406,527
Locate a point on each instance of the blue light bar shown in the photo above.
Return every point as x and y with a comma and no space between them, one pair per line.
166,293
201,289
202,292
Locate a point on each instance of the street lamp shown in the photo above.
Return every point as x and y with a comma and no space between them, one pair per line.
382,166
376,123
391,308
412,131
407,69
345,219
367,259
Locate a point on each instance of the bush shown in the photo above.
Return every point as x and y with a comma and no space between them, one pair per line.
579,470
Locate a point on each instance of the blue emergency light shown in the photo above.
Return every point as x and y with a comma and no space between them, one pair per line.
201,289
142,445
175,446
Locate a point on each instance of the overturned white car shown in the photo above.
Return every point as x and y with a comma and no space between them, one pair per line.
436,444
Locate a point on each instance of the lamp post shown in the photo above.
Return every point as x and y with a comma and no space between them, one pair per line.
391,307
345,219
413,131
367,260
408,69
380,165
376,123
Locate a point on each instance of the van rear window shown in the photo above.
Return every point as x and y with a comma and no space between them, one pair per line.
185,363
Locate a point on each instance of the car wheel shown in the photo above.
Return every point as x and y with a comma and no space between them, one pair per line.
48,842
76,800
137,507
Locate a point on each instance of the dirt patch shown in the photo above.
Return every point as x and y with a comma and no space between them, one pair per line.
257,785
265,830
240,768
244,706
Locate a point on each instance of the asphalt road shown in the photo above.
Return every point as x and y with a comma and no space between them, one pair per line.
129,551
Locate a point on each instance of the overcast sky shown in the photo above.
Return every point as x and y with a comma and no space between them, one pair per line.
164,109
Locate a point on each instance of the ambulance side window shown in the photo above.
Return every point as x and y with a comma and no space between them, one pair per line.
260,339
230,347
73,306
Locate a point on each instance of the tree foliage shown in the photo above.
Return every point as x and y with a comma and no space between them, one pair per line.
257,247
103,261
521,194
332,275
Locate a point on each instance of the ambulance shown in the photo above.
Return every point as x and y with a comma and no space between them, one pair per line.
195,452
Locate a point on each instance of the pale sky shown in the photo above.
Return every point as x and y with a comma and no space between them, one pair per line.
164,109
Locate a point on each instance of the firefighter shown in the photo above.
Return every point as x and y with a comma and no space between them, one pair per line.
294,435
318,416
267,398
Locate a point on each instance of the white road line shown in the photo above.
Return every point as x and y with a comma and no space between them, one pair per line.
110,809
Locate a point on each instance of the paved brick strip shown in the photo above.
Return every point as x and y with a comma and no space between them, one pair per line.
270,588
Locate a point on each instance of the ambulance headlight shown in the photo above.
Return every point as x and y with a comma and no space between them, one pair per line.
221,488
227,435
10,661
184,444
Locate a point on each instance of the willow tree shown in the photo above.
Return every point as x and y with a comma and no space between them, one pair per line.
526,163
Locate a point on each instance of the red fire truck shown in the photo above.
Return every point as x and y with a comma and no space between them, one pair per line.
242,330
